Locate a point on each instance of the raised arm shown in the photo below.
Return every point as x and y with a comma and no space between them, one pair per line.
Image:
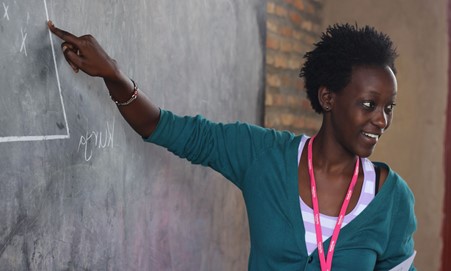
85,53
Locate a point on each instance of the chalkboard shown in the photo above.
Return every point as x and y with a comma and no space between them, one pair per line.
28,68
79,190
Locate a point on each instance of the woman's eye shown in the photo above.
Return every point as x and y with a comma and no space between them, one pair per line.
390,107
368,104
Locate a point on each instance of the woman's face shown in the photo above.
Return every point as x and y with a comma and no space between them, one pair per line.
363,110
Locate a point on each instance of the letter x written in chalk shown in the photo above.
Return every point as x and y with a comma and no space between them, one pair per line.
24,38
5,15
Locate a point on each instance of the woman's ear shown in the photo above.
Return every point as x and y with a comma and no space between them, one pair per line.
326,98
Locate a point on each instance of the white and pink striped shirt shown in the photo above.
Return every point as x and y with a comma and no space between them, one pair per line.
328,222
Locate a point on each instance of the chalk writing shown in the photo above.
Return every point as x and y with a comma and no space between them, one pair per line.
5,14
24,38
96,140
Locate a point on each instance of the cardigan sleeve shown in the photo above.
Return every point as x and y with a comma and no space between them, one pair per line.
403,225
227,148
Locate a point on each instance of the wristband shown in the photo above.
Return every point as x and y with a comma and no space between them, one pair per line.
132,98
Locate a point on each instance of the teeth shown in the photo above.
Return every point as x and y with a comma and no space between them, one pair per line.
371,135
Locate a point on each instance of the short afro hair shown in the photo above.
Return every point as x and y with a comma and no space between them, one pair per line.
341,48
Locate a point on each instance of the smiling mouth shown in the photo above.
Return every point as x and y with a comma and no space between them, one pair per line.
372,136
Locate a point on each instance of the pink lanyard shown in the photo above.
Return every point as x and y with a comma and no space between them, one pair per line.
327,265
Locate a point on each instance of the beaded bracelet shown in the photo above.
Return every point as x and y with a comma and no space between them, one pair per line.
132,98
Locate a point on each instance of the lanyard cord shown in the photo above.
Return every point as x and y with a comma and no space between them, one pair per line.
326,264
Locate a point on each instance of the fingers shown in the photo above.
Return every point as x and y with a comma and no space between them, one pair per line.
85,53
64,35
69,48
73,59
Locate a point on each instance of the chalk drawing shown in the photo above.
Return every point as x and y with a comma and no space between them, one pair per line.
96,140
5,14
23,49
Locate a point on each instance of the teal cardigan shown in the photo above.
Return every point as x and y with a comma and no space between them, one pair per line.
263,164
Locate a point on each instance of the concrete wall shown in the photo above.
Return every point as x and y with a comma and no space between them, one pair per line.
413,145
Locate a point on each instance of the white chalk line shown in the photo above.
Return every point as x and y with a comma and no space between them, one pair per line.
24,38
56,71
32,138
5,14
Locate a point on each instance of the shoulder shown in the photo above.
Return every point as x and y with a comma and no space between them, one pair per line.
388,174
391,180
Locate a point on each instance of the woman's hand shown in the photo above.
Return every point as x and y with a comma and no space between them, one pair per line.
85,53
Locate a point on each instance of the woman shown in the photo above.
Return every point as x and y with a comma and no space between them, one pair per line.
313,203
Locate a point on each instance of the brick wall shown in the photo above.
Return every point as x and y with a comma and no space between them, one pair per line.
292,27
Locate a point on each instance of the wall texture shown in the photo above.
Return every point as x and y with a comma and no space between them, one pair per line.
292,27
413,145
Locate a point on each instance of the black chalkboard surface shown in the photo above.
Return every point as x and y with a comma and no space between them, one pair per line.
79,190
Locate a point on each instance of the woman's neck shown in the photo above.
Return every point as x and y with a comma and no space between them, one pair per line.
330,156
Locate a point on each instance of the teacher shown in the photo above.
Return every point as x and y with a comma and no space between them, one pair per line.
313,203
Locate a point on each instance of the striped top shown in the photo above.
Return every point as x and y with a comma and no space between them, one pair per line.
328,222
